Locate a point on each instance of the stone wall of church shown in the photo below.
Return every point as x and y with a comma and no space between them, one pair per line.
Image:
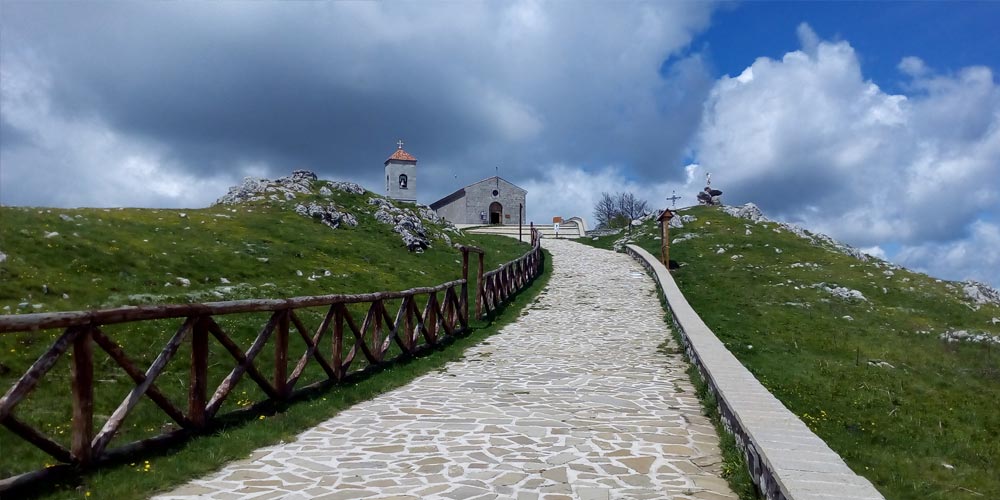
394,188
480,195
455,213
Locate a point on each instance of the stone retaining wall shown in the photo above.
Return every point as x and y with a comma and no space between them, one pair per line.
787,461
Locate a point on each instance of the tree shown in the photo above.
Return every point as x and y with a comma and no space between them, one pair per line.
630,207
619,209
605,211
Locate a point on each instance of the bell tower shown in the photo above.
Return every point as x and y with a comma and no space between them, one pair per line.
401,175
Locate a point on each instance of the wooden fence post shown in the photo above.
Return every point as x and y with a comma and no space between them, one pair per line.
198,388
464,299
281,355
338,341
480,288
82,380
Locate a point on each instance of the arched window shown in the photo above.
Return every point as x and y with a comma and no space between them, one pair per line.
402,181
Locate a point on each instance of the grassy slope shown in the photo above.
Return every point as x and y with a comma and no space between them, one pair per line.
128,256
897,426
236,442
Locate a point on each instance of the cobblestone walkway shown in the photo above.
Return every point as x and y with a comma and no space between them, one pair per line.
577,399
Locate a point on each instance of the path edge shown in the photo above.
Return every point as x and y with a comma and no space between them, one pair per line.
786,460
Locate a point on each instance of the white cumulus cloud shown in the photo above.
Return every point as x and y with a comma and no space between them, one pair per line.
811,140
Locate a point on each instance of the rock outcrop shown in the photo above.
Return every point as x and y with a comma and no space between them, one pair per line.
404,222
328,215
751,212
283,188
981,293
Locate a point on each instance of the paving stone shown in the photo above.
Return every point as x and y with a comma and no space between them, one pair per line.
548,408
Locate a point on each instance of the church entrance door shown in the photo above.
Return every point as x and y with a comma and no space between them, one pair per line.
496,213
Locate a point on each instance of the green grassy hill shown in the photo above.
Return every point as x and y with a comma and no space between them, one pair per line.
69,259
854,347
256,246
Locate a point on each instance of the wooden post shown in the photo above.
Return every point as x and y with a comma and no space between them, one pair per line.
338,341
665,236
430,319
464,299
520,224
82,381
480,287
197,390
281,355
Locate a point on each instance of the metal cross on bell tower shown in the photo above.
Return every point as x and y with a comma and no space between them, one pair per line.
400,144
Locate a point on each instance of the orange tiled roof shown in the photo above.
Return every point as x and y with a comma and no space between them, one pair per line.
402,155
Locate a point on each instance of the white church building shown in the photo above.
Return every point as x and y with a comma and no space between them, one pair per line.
493,201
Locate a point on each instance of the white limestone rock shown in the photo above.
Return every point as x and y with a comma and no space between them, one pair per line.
969,336
347,187
3,257
328,215
751,212
980,293
184,281
53,234
878,363
841,292
256,188
404,222
748,211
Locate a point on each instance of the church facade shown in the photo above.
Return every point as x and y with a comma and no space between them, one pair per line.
489,201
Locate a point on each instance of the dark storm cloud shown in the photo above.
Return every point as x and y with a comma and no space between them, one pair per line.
332,86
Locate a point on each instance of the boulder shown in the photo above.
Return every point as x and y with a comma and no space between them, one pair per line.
328,215
978,293
404,222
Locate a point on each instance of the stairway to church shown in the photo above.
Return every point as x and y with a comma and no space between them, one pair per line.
568,230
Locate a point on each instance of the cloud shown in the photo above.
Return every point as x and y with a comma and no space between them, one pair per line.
73,161
330,86
569,191
811,140
913,66
975,257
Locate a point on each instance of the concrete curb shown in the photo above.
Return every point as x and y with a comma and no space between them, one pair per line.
787,461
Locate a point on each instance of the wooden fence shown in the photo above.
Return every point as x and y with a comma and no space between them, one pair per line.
445,313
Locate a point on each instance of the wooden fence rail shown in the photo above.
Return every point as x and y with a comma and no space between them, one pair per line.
445,313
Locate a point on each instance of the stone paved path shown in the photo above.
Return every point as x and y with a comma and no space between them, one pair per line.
577,399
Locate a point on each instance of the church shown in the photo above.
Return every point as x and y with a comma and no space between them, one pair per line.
490,201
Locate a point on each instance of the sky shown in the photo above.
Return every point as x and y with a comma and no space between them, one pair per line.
876,123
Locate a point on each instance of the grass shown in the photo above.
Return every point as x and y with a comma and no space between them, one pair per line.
112,257
238,441
926,428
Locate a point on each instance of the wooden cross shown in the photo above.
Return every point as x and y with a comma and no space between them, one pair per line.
673,199
400,144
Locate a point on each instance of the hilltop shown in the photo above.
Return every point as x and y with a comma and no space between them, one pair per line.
292,236
894,369
295,235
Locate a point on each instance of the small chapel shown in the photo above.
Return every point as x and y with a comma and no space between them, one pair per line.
493,201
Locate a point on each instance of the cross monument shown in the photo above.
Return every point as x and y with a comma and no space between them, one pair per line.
673,198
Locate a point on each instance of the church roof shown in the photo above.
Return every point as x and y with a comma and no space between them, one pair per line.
401,155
